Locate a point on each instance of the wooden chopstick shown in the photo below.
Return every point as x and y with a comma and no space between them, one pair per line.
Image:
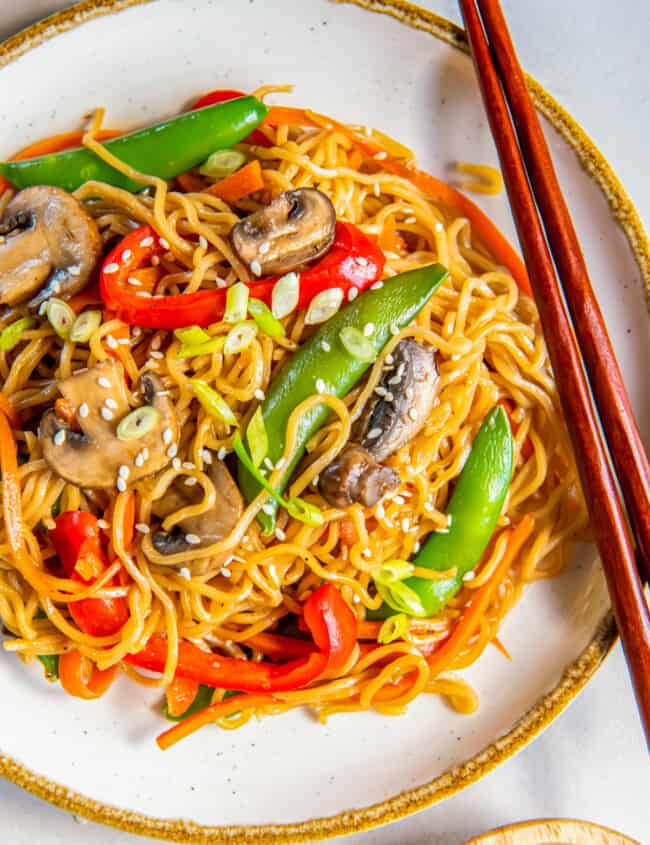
630,460
599,484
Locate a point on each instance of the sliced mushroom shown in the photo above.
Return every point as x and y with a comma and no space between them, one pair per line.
398,410
96,457
295,228
50,246
205,528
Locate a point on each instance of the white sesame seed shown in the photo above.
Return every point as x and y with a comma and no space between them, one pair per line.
469,576
409,392
368,329
102,381
171,452
439,227
406,524
101,523
256,268
280,463
264,248
124,471
74,271
449,518
320,385
410,220
56,287
413,414
184,572
394,328
226,573
190,482
142,527
188,465
416,546
121,485
192,539
111,342
164,243
207,456
111,268
110,403
268,508
202,242
146,241
381,391
380,156
352,294
107,414
268,463
143,294
126,255
428,507
325,346
394,380
374,433
379,511
362,261
259,394
377,286
442,531
83,410
133,281
177,464
59,437
221,454
367,553
138,460
390,359
280,535
356,599
389,397
167,436
145,453
399,500
155,354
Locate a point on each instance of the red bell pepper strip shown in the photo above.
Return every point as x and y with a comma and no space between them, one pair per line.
352,262
222,96
77,541
333,627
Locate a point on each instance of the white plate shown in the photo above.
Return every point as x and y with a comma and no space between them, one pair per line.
142,61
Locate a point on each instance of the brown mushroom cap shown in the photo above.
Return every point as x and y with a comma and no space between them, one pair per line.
355,476
51,246
92,458
215,523
297,227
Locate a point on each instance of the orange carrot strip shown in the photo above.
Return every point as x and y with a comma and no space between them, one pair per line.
88,296
354,159
348,532
496,642
9,411
189,182
444,656
436,189
241,183
180,694
209,714
369,630
509,407
72,674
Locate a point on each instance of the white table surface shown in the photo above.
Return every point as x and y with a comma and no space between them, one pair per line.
593,55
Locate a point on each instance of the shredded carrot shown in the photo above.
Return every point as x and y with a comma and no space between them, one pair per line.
189,182
11,502
180,694
9,411
123,332
355,158
369,630
88,296
54,144
496,642
239,184
436,189
64,411
348,532
509,407
390,239
443,657
73,668
148,278
279,647
210,714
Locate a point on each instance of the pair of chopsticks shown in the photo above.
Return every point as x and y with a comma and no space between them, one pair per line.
589,380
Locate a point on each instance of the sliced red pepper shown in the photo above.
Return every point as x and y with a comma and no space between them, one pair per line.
333,627
352,262
76,538
222,96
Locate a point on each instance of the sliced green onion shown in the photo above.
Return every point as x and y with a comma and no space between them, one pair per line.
284,298
51,665
85,325
192,335
393,570
264,318
297,508
240,337
189,350
400,597
222,163
393,629
236,303
304,511
12,334
61,317
213,402
138,423
323,306
257,438
357,344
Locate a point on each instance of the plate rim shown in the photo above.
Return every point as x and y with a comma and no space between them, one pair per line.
576,675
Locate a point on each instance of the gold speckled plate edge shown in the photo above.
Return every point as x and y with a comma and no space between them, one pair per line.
575,677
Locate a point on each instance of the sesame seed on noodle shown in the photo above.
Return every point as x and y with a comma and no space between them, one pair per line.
259,394
188,465
111,342
157,355
142,527
190,482
280,535
184,572
221,454
206,454
203,242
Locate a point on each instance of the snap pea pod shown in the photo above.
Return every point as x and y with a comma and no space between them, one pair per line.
473,510
165,150
323,364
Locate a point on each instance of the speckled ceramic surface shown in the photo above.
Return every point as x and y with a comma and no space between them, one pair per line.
144,60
